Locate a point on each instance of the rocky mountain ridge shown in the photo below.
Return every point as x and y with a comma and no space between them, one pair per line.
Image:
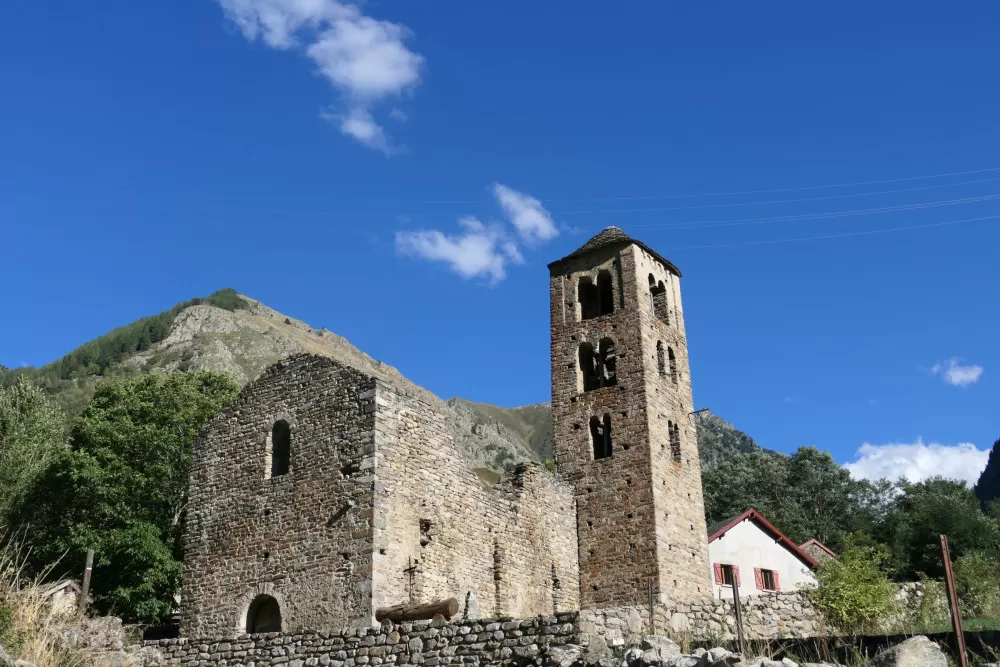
245,339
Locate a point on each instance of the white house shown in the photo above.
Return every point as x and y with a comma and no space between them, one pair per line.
755,555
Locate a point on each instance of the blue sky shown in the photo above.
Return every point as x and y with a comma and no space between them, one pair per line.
401,172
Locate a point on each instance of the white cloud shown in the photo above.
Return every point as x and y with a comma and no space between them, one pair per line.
364,59
479,251
398,114
527,214
957,375
918,461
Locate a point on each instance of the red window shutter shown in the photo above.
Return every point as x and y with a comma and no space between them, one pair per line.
758,578
718,573
777,586
736,574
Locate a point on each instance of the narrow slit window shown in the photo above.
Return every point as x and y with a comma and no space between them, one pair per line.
281,448
673,364
675,441
661,364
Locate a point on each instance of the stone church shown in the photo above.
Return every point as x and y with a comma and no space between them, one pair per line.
322,493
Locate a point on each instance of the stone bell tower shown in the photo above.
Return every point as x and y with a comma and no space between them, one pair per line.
624,436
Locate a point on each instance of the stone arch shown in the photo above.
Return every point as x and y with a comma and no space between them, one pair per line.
589,371
661,361
256,608
607,359
600,436
672,359
586,296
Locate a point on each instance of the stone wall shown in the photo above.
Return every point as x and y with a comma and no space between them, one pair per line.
441,531
767,616
640,510
304,537
419,643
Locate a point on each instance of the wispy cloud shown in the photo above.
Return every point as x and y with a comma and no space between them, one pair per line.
480,251
957,375
527,214
483,250
918,461
363,58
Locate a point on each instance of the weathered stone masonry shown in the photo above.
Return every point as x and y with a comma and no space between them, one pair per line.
377,508
324,493
640,508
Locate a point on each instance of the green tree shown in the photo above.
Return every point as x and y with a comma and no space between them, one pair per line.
31,434
854,590
122,486
806,495
926,510
988,487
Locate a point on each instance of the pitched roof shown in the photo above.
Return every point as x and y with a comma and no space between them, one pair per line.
612,236
717,531
816,543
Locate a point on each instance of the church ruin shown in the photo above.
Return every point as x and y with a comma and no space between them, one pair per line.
323,494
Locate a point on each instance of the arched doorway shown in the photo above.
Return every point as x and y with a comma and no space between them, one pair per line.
264,615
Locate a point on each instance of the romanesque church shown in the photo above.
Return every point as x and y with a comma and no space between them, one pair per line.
322,493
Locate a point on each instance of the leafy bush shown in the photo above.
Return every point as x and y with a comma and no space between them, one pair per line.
854,591
976,585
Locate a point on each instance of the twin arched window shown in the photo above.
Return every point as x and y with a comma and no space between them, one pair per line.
598,369
665,359
595,299
658,299
281,448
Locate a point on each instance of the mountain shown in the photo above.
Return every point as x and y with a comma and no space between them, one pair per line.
235,334
719,440
988,487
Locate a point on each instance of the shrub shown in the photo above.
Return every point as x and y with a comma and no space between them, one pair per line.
853,589
976,585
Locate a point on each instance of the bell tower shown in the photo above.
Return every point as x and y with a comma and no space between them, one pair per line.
624,436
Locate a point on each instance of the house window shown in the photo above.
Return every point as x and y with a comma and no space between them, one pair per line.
767,580
281,448
600,436
726,574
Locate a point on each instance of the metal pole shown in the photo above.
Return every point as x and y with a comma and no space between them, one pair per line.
956,614
86,581
739,617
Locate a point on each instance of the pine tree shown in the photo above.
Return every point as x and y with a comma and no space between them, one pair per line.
988,486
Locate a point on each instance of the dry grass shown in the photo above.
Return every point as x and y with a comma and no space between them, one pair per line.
27,628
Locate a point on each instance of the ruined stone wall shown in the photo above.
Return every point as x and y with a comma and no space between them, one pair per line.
769,616
443,532
421,643
640,515
303,537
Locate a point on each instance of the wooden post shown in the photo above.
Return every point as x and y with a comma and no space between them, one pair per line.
739,616
86,582
956,614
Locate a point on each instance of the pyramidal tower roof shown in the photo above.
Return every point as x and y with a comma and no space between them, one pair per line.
611,237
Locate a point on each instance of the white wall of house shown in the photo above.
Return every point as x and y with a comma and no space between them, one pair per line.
747,546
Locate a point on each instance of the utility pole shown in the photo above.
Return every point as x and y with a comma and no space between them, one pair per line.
956,614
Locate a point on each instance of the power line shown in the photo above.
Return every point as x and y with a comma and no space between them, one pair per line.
741,192
839,236
779,201
817,216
